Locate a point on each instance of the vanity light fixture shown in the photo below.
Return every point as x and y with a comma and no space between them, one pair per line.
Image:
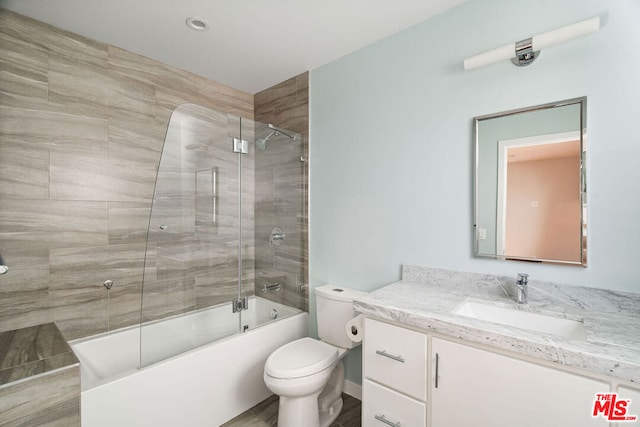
526,51
197,24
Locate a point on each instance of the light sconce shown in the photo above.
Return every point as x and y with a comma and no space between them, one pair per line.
526,51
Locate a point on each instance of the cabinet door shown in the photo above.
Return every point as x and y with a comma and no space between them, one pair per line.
472,387
633,409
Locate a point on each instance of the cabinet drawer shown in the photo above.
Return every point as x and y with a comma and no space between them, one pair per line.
396,357
384,407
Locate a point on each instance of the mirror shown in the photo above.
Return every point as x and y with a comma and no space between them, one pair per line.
530,191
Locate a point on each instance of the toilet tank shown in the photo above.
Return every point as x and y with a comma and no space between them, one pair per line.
334,308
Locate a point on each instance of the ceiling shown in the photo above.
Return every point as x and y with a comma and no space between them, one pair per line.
249,45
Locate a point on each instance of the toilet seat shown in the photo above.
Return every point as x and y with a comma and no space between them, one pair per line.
301,358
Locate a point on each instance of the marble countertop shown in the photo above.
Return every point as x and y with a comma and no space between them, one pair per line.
426,298
32,351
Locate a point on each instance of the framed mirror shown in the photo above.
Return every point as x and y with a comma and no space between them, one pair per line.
530,184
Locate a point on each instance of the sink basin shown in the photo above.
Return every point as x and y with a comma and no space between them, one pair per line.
567,328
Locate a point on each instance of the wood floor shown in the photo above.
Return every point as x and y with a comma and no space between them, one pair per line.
265,414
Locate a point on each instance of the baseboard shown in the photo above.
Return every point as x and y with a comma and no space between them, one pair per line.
353,389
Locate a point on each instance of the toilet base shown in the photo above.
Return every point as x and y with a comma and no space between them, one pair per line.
294,411
329,416
319,409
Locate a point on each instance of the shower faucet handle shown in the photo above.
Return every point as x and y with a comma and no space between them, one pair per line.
3,267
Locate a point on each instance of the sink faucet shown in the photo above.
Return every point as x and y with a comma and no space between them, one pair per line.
521,284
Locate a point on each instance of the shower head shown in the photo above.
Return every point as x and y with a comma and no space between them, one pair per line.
261,143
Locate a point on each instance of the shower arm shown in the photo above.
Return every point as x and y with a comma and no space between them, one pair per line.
282,131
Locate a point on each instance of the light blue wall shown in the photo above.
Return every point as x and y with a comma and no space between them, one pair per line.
391,142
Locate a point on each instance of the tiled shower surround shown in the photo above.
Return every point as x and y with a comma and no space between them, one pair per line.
82,126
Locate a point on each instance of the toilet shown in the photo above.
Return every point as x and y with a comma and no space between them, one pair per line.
308,374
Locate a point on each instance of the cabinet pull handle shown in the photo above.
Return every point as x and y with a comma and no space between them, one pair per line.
437,375
382,419
390,356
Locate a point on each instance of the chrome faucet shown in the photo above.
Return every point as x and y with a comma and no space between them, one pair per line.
521,285
3,266
273,287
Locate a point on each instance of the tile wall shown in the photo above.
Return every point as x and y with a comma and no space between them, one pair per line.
39,378
81,131
282,170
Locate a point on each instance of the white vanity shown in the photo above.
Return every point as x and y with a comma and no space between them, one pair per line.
430,361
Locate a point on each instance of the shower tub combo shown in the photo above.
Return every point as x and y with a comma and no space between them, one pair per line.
216,199
205,386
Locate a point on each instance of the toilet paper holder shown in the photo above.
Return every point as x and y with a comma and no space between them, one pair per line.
354,329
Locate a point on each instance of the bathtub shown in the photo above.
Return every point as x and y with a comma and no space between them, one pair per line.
205,386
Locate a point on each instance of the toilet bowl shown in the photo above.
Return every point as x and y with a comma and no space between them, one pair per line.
308,374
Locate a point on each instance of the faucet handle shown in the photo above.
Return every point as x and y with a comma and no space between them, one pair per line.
522,279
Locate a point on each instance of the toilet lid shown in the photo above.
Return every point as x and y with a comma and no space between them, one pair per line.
300,358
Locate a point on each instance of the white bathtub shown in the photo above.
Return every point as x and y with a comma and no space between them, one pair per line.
205,386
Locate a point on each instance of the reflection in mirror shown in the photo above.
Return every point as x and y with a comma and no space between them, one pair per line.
530,199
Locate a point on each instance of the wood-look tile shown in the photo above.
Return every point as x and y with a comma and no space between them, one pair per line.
23,72
167,101
45,224
92,90
87,177
31,308
223,98
138,139
31,344
24,169
64,414
25,401
296,118
31,351
265,414
264,113
53,40
163,298
150,71
124,306
128,222
302,88
351,414
80,311
29,275
54,128
73,268
37,367
280,96
218,287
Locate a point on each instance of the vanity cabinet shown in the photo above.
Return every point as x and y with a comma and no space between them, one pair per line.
417,379
394,388
473,387
634,406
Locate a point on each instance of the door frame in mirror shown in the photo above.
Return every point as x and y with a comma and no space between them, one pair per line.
582,131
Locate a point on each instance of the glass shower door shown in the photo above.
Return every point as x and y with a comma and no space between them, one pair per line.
197,256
